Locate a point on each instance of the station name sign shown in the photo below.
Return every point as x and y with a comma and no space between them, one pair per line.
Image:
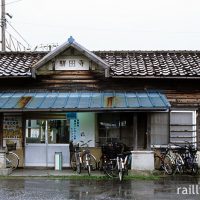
72,63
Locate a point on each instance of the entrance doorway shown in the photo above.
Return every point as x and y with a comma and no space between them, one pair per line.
43,139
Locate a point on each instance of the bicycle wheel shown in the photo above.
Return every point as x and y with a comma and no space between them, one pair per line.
179,164
120,175
120,171
78,168
157,162
110,168
12,160
92,162
168,165
87,163
195,168
73,162
78,163
88,157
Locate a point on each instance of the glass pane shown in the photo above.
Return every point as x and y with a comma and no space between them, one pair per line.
35,131
58,131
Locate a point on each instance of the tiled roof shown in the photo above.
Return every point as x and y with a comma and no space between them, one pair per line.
122,63
152,63
18,64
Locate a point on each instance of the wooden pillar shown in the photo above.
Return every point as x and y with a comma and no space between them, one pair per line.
23,118
148,132
135,132
1,130
169,122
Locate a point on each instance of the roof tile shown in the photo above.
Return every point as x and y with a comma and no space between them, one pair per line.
122,63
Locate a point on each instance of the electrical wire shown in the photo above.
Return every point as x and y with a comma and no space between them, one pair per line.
13,2
19,44
18,34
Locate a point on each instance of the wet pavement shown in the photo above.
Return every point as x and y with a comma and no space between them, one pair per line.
178,187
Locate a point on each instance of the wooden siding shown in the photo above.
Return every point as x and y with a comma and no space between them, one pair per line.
183,94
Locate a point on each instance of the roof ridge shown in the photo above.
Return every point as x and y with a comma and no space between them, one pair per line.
146,51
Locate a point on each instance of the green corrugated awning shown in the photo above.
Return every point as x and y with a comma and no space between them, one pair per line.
82,101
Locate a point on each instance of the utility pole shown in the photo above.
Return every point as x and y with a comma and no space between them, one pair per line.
3,26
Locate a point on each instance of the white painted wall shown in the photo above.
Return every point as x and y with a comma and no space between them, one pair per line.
87,126
142,160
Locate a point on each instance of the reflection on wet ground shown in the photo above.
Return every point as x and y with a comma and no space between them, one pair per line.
164,188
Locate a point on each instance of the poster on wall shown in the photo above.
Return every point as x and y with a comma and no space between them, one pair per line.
74,130
12,127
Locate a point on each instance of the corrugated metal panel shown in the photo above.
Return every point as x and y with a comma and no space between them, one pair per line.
83,100
96,100
73,100
13,100
61,100
36,101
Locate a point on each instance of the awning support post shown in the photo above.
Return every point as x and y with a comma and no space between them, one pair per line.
148,132
135,132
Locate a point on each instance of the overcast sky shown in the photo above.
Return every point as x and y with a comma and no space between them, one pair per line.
109,24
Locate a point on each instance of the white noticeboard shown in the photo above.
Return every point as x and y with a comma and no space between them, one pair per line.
74,130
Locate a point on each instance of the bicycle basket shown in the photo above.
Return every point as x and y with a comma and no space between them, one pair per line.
111,150
11,147
108,151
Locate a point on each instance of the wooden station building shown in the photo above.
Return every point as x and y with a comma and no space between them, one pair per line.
140,98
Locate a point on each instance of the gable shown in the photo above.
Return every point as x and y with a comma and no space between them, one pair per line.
69,60
70,56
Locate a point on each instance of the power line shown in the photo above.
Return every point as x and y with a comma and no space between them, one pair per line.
19,34
12,2
13,42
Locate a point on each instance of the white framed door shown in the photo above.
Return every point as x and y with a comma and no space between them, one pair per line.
36,143
43,139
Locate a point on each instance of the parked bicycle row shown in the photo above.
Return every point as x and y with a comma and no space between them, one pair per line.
176,159
114,161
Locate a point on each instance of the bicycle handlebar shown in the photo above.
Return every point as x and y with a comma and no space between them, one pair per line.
86,143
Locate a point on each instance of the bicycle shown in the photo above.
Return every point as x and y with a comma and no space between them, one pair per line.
164,159
188,155
122,164
12,159
114,160
169,160
76,159
89,161
82,158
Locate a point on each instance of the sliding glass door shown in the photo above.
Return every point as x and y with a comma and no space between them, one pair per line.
43,139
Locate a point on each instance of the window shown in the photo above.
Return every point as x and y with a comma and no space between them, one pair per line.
115,127
159,128
51,131
183,127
